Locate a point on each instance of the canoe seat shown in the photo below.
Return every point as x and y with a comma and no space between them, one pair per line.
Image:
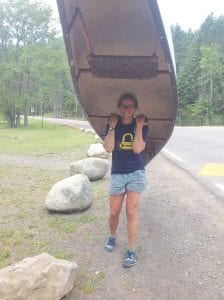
123,67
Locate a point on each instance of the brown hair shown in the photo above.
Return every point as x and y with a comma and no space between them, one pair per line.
127,96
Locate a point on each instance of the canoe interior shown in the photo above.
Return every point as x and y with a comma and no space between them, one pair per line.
117,47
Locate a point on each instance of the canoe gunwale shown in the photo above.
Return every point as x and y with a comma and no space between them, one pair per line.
164,42
147,119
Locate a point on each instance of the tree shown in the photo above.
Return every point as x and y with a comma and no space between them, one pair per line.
200,67
212,75
23,24
211,31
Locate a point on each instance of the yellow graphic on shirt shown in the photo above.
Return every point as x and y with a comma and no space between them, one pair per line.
127,142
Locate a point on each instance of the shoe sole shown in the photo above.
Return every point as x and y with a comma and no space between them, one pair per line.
108,250
129,266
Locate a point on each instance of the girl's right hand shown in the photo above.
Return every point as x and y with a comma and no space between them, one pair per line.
113,120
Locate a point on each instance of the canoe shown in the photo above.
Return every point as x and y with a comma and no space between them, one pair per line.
118,47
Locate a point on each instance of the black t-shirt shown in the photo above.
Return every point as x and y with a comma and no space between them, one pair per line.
124,160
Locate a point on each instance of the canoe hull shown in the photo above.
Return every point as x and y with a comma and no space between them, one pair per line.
117,47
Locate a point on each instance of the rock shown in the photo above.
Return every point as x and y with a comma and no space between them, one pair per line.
70,194
98,139
97,150
93,167
40,277
88,130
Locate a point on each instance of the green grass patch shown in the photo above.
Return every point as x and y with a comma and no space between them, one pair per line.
92,283
87,219
34,246
88,283
11,237
63,255
51,139
4,254
62,224
97,189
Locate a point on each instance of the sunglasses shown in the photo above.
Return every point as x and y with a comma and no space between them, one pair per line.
130,106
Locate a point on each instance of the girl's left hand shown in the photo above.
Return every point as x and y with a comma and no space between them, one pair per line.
140,120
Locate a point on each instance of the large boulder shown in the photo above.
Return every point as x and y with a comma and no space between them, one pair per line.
70,194
97,150
93,167
40,277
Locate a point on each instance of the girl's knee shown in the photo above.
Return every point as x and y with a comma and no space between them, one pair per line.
131,215
114,214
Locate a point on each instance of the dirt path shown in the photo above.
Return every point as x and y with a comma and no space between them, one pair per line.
181,241
45,162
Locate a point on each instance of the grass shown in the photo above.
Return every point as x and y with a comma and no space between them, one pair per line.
87,284
63,255
61,224
92,283
38,141
26,227
87,219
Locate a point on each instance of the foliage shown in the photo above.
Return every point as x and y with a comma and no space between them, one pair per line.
200,72
34,72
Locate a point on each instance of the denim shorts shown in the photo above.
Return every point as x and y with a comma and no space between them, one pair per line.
120,183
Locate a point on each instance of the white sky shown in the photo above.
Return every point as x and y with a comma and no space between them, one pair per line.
190,13
187,13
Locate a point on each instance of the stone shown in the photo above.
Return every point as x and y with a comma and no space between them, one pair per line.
97,150
93,167
70,194
98,139
40,277
88,130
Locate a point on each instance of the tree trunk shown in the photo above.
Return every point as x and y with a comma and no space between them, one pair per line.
10,116
211,90
18,120
25,119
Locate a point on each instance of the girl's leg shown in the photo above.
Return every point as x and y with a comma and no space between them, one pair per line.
116,202
132,203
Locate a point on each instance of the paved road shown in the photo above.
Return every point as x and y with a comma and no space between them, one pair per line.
199,150
72,123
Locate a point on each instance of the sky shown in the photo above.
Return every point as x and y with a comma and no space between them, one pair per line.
186,13
190,13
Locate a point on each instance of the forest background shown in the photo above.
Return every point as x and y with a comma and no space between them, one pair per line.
35,76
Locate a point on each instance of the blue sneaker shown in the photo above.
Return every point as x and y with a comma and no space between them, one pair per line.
130,259
110,244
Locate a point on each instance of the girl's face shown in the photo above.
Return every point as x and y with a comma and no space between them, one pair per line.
127,108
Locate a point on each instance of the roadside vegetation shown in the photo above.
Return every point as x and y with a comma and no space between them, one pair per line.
35,76
200,72
26,227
